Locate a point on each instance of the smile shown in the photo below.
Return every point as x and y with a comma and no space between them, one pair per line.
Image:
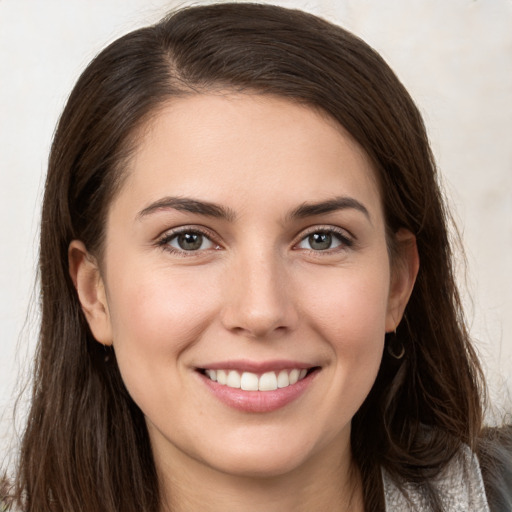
258,388
249,381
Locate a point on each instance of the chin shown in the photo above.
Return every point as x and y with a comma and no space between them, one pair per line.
264,456
260,466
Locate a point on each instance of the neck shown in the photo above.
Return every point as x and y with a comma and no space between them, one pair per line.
329,482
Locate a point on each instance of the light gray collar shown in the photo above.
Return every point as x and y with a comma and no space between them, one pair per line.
460,487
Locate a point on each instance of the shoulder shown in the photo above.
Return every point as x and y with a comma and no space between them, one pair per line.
495,454
459,487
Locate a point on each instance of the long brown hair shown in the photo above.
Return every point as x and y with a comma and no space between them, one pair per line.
86,446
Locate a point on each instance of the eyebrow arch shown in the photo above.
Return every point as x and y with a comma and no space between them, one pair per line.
329,206
188,205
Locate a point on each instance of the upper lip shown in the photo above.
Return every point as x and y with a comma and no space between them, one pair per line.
245,365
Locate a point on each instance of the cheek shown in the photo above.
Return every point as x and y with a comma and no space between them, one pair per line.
159,307
348,306
348,311
155,318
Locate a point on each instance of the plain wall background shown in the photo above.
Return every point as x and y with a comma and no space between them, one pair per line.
454,56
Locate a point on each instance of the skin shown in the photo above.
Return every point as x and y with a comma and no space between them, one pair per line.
255,290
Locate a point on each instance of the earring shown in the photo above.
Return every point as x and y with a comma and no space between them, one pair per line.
108,351
395,348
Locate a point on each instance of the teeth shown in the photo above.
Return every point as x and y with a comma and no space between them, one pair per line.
294,376
212,374
233,379
283,380
222,377
268,382
249,381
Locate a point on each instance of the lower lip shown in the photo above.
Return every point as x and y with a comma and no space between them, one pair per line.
258,401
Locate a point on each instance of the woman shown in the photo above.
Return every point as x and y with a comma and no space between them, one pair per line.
247,292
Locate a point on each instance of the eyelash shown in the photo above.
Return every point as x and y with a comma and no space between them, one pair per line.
345,242
164,241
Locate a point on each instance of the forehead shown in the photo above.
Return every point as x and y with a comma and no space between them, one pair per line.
245,149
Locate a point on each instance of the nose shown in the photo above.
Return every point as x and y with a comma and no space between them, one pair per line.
259,302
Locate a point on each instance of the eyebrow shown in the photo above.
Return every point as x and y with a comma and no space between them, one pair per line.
214,210
329,206
188,205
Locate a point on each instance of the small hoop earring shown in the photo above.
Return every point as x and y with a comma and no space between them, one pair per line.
395,350
108,351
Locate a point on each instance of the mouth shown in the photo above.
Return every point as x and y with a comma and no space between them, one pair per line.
258,387
251,381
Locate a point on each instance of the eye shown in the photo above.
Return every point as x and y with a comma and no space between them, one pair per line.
324,240
187,241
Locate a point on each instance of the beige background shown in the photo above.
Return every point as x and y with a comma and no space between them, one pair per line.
455,56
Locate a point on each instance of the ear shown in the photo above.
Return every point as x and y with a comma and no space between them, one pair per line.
86,277
404,270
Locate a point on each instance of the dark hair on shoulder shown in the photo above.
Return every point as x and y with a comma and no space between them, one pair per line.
494,451
86,446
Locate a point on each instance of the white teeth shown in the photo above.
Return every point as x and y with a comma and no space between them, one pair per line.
222,377
249,381
233,379
268,382
212,374
283,380
294,376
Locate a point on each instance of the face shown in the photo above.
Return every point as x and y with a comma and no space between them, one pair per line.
246,285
